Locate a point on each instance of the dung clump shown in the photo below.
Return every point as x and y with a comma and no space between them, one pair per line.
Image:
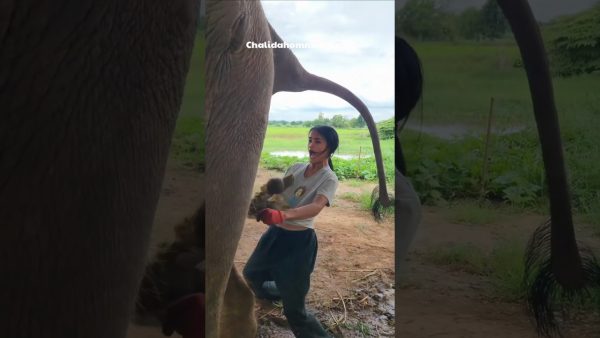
270,196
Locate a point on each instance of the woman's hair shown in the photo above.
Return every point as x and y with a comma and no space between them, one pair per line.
409,87
330,136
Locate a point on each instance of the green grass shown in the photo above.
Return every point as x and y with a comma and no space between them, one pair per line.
352,142
503,267
365,204
363,328
355,183
463,257
193,95
592,219
476,212
460,78
187,146
350,196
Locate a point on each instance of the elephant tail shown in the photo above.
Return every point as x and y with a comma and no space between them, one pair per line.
544,290
377,208
313,82
290,76
555,266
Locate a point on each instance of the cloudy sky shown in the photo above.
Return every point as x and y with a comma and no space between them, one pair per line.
353,46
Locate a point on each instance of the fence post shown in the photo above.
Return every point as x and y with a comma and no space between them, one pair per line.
358,164
486,149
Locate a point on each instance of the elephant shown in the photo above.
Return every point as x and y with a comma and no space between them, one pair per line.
554,264
239,84
90,92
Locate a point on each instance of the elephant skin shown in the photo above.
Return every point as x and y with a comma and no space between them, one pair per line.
89,96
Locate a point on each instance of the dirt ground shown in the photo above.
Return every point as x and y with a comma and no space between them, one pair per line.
352,290
435,301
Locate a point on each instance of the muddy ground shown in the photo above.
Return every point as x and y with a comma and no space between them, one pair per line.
352,290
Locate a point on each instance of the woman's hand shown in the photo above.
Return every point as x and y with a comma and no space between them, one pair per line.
271,216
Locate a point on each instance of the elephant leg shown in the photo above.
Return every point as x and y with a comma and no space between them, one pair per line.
238,308
239,85
89,96
408,217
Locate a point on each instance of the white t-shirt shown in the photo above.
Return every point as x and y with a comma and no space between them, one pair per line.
304,189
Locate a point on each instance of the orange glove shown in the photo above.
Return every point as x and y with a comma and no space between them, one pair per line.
271,216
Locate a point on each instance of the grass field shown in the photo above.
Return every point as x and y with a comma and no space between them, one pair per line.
352,141
187,146
459,80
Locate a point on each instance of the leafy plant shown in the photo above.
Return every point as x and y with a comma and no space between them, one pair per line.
386,129
574,43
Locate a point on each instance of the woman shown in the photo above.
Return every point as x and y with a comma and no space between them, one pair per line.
284,258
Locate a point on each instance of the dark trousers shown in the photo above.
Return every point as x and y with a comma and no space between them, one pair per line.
288,258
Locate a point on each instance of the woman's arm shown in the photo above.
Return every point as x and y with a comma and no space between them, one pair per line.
306,211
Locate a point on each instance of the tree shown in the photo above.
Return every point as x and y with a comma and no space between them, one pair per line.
494,23
574,43
386,129
321,120
339,121
358,122
423,19
470,24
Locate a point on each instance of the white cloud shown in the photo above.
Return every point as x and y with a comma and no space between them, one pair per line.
355,42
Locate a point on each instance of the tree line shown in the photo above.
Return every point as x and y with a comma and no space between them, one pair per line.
336,121
430,20
572,41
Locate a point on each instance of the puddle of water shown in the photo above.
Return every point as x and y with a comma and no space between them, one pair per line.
302,154
452,131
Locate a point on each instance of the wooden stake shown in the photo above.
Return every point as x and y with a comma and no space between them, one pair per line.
486,150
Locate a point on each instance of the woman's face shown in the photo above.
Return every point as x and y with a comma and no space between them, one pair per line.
317,147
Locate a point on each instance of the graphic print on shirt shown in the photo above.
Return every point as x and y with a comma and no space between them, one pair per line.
298,193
